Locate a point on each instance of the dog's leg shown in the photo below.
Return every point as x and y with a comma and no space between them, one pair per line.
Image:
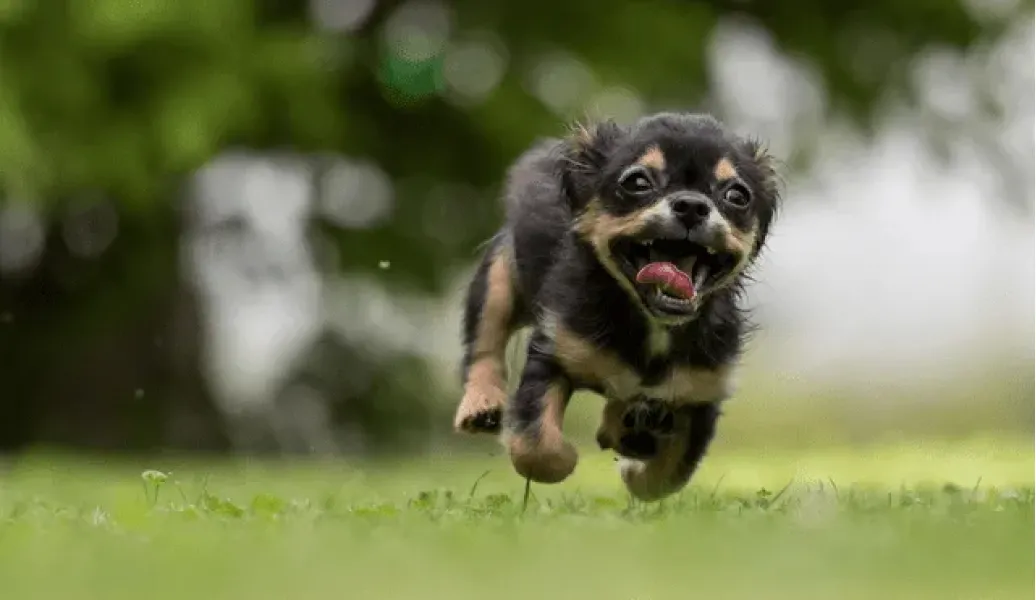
535,417
489,321
637,428
677,457
610,431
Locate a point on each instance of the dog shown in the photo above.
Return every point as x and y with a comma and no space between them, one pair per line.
626,250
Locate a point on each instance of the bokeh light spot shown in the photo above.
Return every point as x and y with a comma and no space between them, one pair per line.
355,194
474,68
21,238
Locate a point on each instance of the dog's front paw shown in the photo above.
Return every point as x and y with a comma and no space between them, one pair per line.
645,424
547,459
481,410
651,480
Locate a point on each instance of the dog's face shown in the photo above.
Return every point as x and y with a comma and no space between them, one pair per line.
675,207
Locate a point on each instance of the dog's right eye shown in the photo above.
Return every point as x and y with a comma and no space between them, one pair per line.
636,181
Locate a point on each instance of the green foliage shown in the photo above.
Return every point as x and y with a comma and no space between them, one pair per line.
120,95
123,99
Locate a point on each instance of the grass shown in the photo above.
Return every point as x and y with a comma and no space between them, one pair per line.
948,521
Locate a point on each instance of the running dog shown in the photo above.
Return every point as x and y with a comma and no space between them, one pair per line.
626,250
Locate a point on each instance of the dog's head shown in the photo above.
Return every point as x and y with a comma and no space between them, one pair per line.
675,207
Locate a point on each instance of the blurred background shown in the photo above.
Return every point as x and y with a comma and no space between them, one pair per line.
245,225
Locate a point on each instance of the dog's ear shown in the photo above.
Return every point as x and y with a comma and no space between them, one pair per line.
585,152
765,167
764,176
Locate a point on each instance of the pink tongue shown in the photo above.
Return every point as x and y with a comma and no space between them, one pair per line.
667,275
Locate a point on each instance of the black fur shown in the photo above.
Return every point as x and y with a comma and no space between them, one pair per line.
540,372
557,274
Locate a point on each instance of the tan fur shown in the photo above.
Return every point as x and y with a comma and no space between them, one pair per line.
659,339
543,455
742,243
746,239
599,228
724,170
484,392
649,480
610,429
582,134
694,384
484,389
585,361
653,158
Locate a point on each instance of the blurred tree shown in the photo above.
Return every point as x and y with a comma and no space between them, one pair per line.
120,100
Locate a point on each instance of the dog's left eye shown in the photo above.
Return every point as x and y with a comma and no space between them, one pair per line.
636,181
736,196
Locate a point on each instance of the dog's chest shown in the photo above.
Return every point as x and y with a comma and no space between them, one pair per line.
604,370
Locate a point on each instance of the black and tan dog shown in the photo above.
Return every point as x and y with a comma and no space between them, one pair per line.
625,249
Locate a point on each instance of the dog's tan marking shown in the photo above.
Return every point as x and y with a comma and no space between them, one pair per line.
653,158
484,389
666,472
599,227
649,480
724,170
496,312
484,392
694,384
583,134
543,455
610,430
659,340
660,476
586,362
742,244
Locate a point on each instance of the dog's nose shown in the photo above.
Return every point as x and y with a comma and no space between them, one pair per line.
692,210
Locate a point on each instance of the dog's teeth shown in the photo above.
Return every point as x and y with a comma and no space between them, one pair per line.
671,298
699,275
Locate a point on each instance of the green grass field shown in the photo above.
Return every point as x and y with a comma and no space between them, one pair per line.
926,520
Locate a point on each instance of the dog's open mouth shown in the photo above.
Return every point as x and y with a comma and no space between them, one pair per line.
671,274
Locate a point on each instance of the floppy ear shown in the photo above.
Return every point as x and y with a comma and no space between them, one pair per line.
585,152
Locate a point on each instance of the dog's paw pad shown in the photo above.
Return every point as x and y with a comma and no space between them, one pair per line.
660,420
481,411
649,415
486,421
641,445
645,423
